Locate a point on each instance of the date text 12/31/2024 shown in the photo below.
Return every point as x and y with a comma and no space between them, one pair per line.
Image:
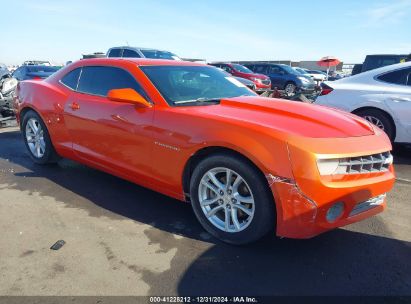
199,299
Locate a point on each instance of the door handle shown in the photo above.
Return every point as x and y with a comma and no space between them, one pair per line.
74,106
400,99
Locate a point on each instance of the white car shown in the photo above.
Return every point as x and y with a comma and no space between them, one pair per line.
317,75
382,96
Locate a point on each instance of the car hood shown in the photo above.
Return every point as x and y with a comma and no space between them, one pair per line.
287,117
260,76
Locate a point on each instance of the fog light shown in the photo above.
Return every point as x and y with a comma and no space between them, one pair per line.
335,212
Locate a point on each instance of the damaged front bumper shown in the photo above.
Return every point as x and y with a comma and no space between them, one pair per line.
309,203
300,217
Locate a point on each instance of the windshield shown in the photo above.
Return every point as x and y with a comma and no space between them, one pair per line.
301,71
242,69
316,72
42,69
289,69
155,54
195,84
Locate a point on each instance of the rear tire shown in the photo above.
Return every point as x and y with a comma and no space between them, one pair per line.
379,119
37,139
245,205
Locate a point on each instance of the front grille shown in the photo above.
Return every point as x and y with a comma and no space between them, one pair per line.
367,164
266,82
371,203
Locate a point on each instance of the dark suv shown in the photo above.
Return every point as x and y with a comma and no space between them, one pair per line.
284,77
372,62
261,82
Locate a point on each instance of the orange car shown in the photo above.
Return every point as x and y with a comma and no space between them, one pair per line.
248,165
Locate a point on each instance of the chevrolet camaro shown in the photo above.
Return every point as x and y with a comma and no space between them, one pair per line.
248,165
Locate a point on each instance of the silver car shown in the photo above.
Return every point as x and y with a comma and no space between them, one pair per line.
138,52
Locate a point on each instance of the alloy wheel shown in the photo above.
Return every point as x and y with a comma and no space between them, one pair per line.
35,138
226,200
290,89
375,121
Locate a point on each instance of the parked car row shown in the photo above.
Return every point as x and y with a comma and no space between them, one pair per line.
271,79
261,82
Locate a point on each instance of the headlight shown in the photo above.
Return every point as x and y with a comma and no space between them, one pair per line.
303,79
8,85
256,79
330,167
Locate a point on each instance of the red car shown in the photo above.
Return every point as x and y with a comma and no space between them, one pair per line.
262,82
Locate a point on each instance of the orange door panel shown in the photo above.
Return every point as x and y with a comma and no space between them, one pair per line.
113,134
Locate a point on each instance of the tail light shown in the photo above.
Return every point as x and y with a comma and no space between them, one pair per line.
325,89
37,78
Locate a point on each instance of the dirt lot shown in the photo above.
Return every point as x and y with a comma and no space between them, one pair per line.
122,239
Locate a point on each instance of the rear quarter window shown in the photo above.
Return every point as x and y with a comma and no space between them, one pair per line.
401,77
71,79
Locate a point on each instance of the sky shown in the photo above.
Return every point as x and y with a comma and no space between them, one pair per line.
60,31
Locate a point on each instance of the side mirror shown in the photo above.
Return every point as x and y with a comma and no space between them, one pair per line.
128,96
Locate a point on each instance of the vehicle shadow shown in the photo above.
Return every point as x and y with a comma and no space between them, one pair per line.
340,262
402,154
101,194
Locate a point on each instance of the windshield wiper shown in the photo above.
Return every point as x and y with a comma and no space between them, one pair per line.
201,99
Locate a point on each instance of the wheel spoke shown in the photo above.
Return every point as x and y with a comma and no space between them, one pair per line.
209,201
214,210
244,199
227,216
234,217
229,175
215,181
244,209
237,183
38,149
32,126
30,140
210,186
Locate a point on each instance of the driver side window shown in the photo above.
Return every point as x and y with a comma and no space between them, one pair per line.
276,70
261,69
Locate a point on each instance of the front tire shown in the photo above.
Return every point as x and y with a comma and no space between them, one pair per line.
37,139
231,199
290,89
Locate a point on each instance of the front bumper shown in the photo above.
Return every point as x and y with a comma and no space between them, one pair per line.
300,217
262,87
303,202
